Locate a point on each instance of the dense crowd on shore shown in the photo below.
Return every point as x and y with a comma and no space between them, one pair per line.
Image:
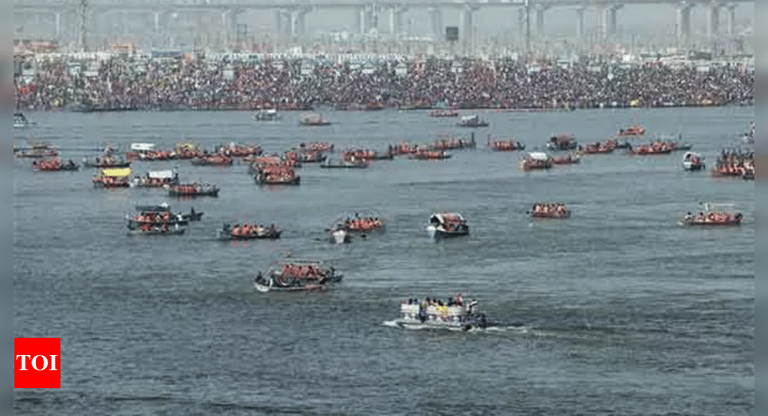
122,84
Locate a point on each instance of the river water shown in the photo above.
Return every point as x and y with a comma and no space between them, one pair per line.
614,311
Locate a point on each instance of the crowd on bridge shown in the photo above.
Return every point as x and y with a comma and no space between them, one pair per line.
122,83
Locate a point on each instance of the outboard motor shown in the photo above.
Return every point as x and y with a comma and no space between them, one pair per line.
422,315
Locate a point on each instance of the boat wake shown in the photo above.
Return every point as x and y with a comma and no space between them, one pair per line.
506,328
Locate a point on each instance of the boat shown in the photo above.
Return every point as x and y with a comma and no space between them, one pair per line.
193,189
472,121
186,150
164,207
633,130
161,230
267,114
239,150
712,215
54,165
20,121
37,151
430,155
549,210
693,161
536,160
749,137
447,224
443,113
562,142
317,146
505,145
596,148
192,215
247,232
365,154
155,218
296,275
213,160
313,119
568,159
304,156
276,175
362,221
453,314
106,162
657,148
345,164
156,179
339,234
113,178
453,143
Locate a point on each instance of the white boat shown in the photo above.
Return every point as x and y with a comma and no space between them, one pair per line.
455,314
156,179
693,161
266,115
142,147
472,121
447,224
20,121
340,236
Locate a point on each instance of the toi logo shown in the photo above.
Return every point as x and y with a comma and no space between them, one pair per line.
37,363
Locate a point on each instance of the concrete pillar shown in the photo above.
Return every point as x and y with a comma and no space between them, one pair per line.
731,19
157,21
580,22
466,32
713,21
361,20
684,23
436,23
611,19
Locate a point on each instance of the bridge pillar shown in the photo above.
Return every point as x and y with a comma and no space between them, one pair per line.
713,21
540,10
436,23
57,25
610,20
731,19
580,22
684,23
467,26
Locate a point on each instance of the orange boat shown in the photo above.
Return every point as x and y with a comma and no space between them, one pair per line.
712,215
593,148
505,145
633,130
444,113
428,155
549,210
658,148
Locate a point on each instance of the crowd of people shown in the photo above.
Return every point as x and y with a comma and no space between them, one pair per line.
123,83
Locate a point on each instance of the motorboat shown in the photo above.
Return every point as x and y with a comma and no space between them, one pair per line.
633,130
193,189
157,230
712,215
54,165
549,210
267,114
443,113
562,142
568,159
454,314
429,155
296,275
505,145
248,232
106,162
656,148
596,148
447,224
276,175
363,221
345,164
453,143
693,161
313,119
472,121
155,218
213,160
365,154
536,160
156,179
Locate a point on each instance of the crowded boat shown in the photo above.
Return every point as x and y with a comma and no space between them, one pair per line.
297,275
735,163
304,156
536,161
351,163
441,113
276,175
447,224
317,146
655,148
713,215
106,161
364,154
594,148
36,151
213,160
113,178
54,165
231,150
549,210
505,145
563,141
156,179
193,189
633,130
453,143
150,218
453,313
164,229
248,231
361,222
568,159
424,154
186,150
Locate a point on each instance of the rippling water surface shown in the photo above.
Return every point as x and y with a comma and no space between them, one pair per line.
613,311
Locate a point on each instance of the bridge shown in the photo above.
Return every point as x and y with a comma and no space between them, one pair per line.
291,15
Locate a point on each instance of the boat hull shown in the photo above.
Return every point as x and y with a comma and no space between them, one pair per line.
227,236
436,232
178,231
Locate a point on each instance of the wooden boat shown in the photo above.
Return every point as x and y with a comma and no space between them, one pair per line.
562,142
657,148
428,155
634,130
213,160
54,165
276,175
447,224
443,113
157,231
712,215
505,145
193,189
596,148
106,162
362,221
113,178
155,219
345,164
156,179
568,159
364,154
296,275
229,232
549,210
